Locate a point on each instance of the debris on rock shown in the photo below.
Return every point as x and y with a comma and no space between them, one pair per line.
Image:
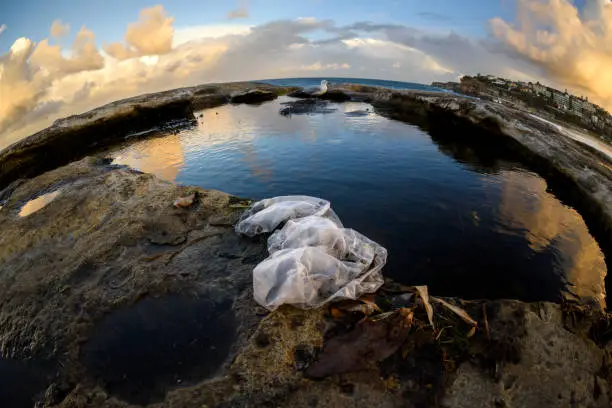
424,295
371,341
185,202
313,259
457,310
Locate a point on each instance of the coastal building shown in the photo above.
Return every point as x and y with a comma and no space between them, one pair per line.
576,105
589,107
541,90
561,99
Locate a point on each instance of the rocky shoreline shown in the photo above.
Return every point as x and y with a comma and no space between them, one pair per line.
114,297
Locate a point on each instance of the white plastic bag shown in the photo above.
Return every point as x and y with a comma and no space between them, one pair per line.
315,231
309,277
266,215
309,231
313,259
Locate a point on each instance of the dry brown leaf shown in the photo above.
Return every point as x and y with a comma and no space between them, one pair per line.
370,301
184,202
336,313
372,340
471,332
457,310
424,294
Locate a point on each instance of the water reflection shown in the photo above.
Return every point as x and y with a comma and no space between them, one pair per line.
526,208
162,156
36,204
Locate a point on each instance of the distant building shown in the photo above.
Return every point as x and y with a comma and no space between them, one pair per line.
541,90
576,105
561,99
589,107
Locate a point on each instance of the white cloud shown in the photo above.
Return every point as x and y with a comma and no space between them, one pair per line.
2,28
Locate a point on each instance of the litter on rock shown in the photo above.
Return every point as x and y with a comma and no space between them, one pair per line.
266,215
184,202
313,259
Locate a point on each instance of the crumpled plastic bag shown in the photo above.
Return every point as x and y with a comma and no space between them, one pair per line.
313,259
266,215
314,231
309,277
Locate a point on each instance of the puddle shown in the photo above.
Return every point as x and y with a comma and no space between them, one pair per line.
21,383
36,204
141,352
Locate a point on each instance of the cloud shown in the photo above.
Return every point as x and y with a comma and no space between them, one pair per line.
58,29
2,28
317,66
150,35
85,56
241,12
572,48
28,71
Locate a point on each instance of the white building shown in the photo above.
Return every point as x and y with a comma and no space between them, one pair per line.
561,99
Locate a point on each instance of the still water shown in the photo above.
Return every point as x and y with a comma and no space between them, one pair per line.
462,219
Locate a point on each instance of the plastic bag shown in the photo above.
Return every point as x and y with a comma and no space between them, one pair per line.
313,259
309,277
266,215
315,231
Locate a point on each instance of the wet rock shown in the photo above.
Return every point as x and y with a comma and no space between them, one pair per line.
336,95
358,113
547,366
110,240
306,107
253,96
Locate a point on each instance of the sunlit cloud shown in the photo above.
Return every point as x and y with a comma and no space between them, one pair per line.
58,29
241,12
573,48
150,35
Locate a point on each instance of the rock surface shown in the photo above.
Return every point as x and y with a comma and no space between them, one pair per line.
113,296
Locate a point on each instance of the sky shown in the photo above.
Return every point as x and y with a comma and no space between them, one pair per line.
63,57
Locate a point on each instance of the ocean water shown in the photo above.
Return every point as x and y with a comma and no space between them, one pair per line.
465,219
313,82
